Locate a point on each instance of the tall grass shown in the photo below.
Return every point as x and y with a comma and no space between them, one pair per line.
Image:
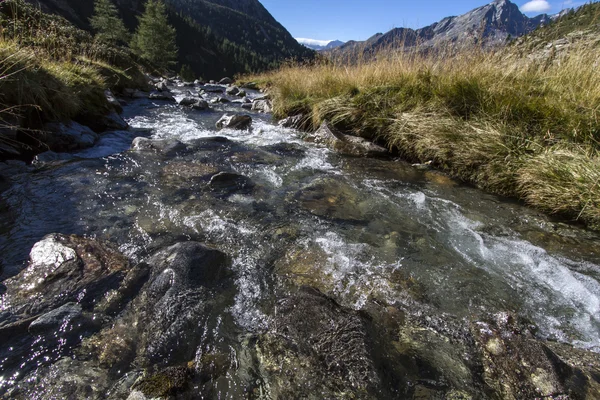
51,70
521,126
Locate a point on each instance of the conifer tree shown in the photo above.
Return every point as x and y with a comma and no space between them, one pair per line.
107,24
154,39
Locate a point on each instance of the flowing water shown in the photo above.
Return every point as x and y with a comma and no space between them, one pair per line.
360,230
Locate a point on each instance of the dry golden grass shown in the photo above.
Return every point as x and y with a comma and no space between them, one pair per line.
522,126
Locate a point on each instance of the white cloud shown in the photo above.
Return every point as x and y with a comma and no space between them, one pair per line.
313,42
536,6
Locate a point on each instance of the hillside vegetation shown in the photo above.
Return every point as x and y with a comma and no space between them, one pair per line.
509,122
50,70
216,38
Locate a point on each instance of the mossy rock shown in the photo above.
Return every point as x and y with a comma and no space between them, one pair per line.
168,382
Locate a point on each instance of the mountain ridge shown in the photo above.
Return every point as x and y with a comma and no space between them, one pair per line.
488,25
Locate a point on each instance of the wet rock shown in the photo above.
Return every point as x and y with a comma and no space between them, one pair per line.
234,122
111,121
299,121
213,89
66,314
332,198
111,98
247,106
167,96
517,365
264,106
162,86
63,269
232,90
313,334
345,144
165,383
242,93
286,149
62,137
226,183
200,105
178,296
222,100
188,101
226,81
163,146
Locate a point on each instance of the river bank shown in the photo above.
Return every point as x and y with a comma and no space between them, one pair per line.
514,122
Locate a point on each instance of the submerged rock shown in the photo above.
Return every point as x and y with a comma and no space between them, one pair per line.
226,183
345,144
234,122
332,198
317,346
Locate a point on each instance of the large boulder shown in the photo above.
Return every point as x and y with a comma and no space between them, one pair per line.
312,334
234,122
162,325
68,136
345,144
64,268
226,81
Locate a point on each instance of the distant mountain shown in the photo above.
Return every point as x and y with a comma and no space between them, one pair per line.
215,37
488,25
320,45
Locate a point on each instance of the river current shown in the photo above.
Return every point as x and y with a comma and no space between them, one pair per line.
360,230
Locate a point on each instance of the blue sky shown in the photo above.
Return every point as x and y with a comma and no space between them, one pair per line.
358,19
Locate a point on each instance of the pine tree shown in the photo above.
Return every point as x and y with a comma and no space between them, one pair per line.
107,24
154,39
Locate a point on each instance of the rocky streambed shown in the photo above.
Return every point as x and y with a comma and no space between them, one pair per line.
193,263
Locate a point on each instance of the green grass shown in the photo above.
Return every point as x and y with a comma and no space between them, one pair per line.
520,126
